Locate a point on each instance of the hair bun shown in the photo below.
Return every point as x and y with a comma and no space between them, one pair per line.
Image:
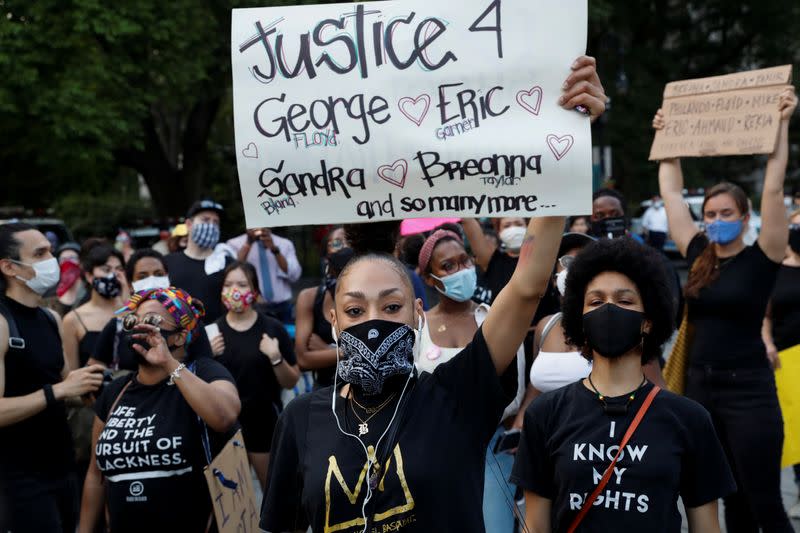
373,237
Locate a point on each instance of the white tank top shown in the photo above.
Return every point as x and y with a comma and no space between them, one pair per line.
430,356
553,370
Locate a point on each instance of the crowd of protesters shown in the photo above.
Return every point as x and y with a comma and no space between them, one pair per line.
478,376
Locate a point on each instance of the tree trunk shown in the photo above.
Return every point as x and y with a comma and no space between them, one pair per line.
175,180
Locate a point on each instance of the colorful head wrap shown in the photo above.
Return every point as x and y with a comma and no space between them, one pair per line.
426,251
185,310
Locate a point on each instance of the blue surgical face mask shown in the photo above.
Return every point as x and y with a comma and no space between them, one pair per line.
724,231
459,286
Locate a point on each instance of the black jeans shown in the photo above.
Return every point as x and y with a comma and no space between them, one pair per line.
35,504
744,407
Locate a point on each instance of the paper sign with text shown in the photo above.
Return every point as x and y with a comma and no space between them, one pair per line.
408,109
735,114
230,484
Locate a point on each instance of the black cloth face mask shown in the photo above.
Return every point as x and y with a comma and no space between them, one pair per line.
131,341
373,352
794,240
613,331
609,228
107,287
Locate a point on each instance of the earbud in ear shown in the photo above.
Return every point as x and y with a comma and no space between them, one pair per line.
419,323
333,334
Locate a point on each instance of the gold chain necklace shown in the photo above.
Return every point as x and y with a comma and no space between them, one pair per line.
363,427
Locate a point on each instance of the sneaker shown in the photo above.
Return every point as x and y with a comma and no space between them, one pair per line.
794,512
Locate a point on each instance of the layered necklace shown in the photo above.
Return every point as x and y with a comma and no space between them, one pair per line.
363,427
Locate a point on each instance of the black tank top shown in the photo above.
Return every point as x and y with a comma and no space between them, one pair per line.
322,328
42,443
86,346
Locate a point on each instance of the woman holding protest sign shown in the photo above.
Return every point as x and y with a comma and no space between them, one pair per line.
156,429
369,453
727,292
655,445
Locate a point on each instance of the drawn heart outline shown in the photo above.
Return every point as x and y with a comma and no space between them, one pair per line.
251,151
417,117
522,97
555,143
388,173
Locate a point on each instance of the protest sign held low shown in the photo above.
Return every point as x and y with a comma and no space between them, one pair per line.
735,114
230,485
393,110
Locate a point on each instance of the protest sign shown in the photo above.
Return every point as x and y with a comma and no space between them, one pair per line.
786,379
230,484
408,109
734,114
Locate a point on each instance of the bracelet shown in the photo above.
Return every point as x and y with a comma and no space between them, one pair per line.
175,374
276,363
49,395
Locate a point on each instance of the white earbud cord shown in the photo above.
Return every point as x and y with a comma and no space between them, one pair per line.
334,394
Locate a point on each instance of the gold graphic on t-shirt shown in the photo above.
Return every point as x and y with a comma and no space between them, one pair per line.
352,495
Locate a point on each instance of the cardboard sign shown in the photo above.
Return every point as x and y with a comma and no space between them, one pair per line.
230,484
734,114
786,379
408,109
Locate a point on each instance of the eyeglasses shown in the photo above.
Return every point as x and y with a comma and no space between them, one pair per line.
566,261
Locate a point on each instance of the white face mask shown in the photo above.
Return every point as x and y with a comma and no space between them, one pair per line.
561,282
151,282
47,274
512,237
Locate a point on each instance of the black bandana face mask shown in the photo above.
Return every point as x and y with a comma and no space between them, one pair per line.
794,239
374,351
107,287
612,331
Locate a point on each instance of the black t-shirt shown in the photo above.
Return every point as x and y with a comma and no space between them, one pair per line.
498,272
40,444
728,314
786,308
152,456
112,346
431,472
190,275
258,387
568,441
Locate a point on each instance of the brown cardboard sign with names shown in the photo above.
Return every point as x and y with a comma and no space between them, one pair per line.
735,114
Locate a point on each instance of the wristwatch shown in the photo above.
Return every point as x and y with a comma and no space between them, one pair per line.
276,363
276,251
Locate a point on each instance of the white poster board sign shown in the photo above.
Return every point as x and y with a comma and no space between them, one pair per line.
403,109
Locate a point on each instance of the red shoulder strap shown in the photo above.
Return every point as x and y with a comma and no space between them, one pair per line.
610,470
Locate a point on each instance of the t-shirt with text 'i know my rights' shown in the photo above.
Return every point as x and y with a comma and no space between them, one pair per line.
151,454
568,442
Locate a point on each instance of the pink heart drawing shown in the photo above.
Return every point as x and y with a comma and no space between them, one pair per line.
251,151
530,100
394,173
415,109
560,145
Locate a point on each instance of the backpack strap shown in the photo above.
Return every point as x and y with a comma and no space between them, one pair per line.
14,340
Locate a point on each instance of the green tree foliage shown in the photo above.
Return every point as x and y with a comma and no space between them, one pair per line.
94,93
642,45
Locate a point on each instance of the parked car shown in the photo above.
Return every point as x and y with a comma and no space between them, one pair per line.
54,225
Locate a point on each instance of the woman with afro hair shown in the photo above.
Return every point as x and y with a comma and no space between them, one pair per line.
618,310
